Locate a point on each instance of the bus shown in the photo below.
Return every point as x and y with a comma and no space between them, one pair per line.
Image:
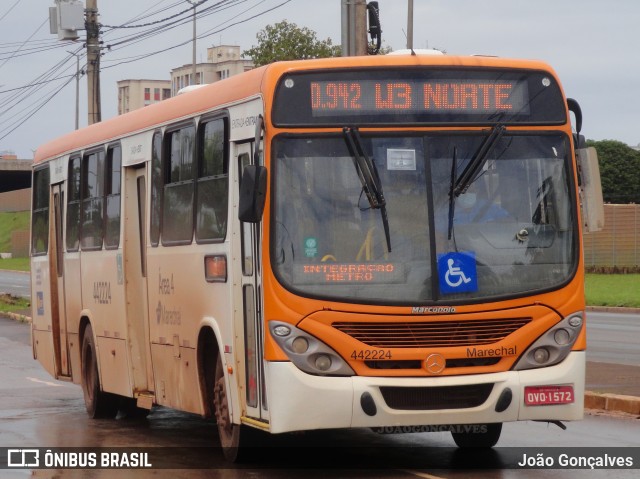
362,242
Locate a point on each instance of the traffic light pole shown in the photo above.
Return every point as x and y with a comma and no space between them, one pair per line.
354,28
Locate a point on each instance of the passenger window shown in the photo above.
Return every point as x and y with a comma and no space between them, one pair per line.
112,212
177,210
157,183
213,182
92,201
73,205
40,216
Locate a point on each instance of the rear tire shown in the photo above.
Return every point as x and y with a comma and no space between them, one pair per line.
99,404
481,436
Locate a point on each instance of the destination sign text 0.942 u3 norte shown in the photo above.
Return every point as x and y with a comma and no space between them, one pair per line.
414,96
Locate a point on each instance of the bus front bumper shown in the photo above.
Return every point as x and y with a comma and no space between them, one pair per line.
299,401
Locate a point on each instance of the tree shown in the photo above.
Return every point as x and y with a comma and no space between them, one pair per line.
619,171
287,41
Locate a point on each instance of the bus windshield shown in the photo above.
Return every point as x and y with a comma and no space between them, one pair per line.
511,230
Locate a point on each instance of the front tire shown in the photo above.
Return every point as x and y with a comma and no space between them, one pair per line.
99,404
480,435
235,439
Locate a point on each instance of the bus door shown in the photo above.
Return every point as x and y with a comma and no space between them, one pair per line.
58,306
256,397
135,277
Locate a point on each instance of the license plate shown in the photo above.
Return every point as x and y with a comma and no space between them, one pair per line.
545,395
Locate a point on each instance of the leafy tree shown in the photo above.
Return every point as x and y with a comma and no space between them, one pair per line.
287,41
619,171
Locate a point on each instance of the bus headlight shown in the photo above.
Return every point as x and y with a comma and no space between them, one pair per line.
307,352
323,362
554,345
300,345
541,355
562,336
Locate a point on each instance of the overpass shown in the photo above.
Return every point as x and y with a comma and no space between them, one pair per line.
15,174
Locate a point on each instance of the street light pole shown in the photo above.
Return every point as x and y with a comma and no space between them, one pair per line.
193,63
410,26
77,55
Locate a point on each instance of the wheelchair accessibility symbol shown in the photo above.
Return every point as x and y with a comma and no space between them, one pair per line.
457,272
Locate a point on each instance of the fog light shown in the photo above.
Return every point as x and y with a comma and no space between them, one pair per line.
282,331
323,362
541,355
300,345
562,337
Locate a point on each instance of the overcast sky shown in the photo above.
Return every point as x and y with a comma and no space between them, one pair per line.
592,44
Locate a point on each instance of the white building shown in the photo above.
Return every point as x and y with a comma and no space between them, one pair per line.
222,62
134,94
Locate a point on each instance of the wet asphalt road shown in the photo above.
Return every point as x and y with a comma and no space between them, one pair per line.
38,411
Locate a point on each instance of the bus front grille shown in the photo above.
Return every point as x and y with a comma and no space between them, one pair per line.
435,398
434,334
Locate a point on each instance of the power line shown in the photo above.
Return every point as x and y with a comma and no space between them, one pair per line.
157,21
135,38
34,86
10,8
30,114
23,43
209,33
60,72
44,82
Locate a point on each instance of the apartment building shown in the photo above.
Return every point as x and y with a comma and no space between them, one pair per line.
222,62
134,94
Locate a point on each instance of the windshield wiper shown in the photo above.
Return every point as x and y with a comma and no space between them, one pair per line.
368,174
470,173
452,185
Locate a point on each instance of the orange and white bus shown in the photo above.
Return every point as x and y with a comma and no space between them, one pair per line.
352,242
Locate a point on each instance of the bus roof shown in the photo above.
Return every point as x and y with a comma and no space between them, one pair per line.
182,106
246,85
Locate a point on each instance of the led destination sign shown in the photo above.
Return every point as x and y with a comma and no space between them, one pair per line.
370,96
414,96
349,273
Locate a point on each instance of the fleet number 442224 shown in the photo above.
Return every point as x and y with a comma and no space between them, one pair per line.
370,354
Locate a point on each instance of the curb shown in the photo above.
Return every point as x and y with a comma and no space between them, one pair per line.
612,403
613,309
22,318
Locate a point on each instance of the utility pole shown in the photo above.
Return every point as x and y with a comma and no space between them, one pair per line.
354,28
93,63
410,26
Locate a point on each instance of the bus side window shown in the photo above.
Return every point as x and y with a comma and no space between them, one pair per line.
177,202
40,216
157,183
213,181
92,214
112,208
73,205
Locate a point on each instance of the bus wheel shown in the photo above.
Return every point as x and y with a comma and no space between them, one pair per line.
229,433
480,435
99,404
